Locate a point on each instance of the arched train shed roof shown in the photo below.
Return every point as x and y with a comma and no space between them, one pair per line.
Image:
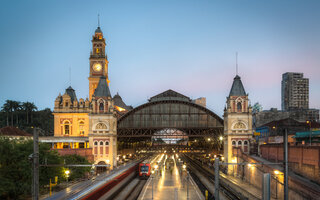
169,114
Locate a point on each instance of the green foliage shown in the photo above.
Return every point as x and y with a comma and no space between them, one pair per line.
16,169
76,172
24,115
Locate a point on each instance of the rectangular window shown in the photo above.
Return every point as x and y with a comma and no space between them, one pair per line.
81,145
66,129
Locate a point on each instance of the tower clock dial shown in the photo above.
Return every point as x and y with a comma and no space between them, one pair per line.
97,67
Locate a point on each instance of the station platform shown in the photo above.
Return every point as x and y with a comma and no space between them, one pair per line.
171,183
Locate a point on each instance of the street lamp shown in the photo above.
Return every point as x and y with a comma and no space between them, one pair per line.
184,166
276,172
220,138
67,172
310,132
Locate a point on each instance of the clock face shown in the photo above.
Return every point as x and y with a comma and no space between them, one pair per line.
97,67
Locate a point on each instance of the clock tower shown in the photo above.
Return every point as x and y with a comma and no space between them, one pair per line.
237,122
98,61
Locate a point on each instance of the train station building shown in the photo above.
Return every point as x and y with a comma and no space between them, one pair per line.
88,127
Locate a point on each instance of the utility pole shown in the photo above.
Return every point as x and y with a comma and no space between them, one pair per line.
266,186
35,163
285,162
188,185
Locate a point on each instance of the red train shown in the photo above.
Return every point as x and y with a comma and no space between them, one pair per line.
144,170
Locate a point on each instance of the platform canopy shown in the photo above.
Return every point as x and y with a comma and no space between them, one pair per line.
170,110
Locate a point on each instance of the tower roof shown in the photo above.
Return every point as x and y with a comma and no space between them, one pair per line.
119,102
103,89
98,30
70,91
237,88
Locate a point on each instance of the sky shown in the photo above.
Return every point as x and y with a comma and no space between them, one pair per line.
188,46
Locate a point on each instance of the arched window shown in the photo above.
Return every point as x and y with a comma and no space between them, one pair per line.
239,106
245,143
101,143
66,126
107,143
81,127
233,143
239,142
95,143
101,107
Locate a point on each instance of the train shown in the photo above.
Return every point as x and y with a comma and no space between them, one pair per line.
144,170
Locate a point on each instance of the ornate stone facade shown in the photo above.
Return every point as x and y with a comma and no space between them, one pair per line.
237,121
89,124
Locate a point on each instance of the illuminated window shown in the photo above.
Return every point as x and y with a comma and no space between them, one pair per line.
239,107
81,127
66,126
65,145
97,50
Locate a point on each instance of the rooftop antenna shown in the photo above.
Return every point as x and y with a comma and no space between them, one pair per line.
98,20
237,63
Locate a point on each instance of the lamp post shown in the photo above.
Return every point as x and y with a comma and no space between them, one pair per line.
67,172
187,185
276,172
310,132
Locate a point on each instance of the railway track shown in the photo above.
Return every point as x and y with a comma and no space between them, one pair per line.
127,189
196,168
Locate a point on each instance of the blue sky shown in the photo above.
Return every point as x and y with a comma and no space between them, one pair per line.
152,46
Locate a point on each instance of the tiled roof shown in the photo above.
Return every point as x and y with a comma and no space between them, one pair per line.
237,88
70,91
103,89
13,131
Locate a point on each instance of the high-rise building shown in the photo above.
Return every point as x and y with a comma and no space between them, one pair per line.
294,91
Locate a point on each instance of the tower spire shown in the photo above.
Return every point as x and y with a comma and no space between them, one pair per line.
70,76
236,63
98,20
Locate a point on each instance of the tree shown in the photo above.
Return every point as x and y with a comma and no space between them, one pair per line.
15,167
256,108
29,107
76,172
11,106
6,108
16,108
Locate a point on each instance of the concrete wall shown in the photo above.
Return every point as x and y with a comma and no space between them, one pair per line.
304,160
253,175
